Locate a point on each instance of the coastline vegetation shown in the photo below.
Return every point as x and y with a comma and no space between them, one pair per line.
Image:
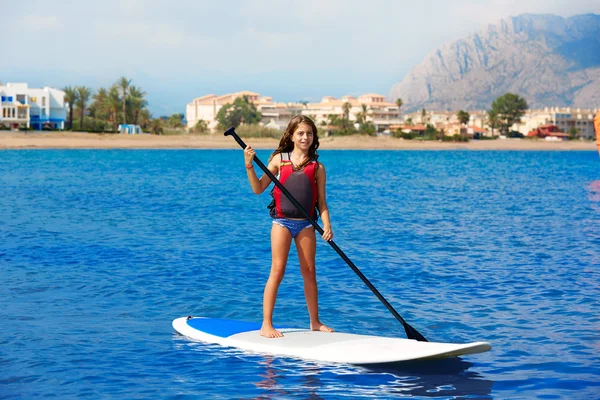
104,109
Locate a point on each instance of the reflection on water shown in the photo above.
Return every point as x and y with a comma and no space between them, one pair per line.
283,378
592,228
594,192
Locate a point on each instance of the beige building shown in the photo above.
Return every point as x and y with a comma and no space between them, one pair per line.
378,111
207,107
277,115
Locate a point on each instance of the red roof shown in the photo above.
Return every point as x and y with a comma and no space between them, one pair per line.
476,128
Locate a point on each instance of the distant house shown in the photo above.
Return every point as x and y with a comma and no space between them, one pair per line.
418,128
475,132
22,106
550,131
130,129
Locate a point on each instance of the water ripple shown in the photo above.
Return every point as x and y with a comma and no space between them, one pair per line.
100,250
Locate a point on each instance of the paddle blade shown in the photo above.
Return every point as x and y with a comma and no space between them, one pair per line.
412,333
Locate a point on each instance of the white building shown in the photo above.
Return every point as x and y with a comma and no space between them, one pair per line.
206,108
381,113
277,115
564,118
35,108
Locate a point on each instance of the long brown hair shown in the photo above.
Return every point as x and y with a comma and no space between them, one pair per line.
286,145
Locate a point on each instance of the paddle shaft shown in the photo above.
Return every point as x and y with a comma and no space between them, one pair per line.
411,333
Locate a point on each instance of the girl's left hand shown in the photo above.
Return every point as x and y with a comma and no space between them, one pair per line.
327,233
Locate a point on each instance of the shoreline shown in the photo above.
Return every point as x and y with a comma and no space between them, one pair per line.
78,140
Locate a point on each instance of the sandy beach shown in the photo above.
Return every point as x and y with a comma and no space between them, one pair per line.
69,140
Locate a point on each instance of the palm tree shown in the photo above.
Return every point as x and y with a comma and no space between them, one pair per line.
463,117
399,103
101,105
346,107
123,84
137,101
156,126
493,120
113,103
71,98
144,118
84,94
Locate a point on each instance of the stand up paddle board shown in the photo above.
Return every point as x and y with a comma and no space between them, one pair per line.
333,347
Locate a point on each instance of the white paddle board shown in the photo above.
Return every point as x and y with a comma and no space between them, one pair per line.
331,347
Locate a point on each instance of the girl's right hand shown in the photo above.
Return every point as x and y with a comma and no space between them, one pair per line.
249,155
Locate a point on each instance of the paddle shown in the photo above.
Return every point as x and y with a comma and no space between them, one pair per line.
411,332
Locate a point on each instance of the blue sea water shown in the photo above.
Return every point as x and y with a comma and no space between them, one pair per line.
101,249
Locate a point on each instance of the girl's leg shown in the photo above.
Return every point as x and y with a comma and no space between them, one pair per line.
306,243
281,239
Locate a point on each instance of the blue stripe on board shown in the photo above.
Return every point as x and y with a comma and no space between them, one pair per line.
223,327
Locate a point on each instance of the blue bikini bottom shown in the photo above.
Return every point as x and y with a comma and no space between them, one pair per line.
293,225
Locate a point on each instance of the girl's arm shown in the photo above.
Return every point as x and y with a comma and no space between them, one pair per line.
259,185
322,202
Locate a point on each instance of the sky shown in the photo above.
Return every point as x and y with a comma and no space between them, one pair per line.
289,50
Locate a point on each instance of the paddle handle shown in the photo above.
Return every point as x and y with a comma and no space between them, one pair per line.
411,332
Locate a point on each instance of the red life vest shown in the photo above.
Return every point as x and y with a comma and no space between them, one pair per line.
302,185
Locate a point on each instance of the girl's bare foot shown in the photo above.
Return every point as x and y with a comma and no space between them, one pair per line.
320,327
270,332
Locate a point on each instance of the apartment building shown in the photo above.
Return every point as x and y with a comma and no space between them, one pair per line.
380,112
277,115
565,119
37,108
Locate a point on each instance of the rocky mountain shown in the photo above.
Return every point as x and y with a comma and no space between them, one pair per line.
547,59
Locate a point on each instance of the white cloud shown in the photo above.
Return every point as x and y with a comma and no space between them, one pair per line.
139,33
297,48
38,23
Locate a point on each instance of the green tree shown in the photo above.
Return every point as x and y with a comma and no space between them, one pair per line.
430,132
346,107
463,117
144,118
441,134
156,126
241,111
71,98
509,109
137,102
573,133
201,127
123,84
361,116
84,94
492,120
113,104
334,120
176,121
423,115
399,103
101,106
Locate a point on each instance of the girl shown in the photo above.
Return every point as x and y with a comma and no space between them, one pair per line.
295,160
